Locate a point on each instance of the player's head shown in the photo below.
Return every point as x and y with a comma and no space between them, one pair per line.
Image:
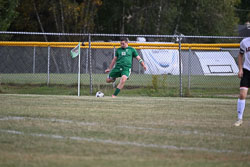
124,42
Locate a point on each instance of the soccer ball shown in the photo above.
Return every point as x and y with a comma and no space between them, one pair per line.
99,94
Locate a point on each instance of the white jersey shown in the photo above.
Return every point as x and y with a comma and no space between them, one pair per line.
245,49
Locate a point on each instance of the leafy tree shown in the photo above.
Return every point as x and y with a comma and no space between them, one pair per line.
243,11
7,13
207,17
27,19
64,16
189,17
136,16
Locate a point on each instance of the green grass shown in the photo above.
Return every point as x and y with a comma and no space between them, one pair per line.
108,90
135,80
126,131
138,84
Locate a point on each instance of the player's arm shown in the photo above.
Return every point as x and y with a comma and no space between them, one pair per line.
111,64
240,63
141,62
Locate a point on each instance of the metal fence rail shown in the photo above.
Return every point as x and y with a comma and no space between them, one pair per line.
177,65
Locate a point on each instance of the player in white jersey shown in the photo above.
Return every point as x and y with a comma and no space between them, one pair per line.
244,74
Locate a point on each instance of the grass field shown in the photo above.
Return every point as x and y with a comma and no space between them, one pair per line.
143,85
42,130
199,81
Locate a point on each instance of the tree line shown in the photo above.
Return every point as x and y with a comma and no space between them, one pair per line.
157,17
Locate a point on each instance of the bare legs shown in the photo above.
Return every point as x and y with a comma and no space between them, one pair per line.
243,94
241,105
119,86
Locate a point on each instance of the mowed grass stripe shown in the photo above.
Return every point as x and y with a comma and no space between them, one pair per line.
171,147
109,127
200,123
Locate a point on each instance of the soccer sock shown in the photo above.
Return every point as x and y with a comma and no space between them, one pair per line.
117,91
240,108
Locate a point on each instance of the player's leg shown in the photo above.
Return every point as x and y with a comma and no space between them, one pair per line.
122,82
241,105
110,79
120,85
114,73
244,84
124,77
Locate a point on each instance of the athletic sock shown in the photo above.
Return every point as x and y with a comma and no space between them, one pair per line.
117,91
240,108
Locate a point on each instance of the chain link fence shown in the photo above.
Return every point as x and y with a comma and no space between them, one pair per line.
177,65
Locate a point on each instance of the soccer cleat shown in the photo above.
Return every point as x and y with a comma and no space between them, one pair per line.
113,96
238,123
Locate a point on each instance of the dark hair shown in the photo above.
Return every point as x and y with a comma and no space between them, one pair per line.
124,39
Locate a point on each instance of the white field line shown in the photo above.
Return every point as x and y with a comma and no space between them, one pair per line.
181,132
122,143
122,98
49,120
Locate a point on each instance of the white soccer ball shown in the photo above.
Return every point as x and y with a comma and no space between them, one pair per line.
99,94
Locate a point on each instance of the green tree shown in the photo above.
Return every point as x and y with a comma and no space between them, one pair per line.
136,17
207,17
189,17
7,13
243,11
153,17
64,16
27,19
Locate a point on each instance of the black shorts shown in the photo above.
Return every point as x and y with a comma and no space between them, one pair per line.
245,80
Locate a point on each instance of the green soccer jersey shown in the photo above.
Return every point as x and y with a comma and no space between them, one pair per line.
125,56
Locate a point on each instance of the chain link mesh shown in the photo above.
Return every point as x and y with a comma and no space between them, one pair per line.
172,71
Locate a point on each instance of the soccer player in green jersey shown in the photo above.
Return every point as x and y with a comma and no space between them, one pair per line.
123,63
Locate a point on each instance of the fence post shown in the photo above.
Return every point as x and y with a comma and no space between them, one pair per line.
34,60
112,58
180,66
48,66
87,61
189,68
90,66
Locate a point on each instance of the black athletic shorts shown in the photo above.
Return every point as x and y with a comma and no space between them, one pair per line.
245,80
